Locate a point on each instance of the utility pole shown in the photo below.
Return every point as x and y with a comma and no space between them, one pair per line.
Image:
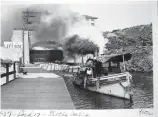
25,17
24,28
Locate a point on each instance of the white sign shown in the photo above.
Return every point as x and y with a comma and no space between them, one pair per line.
14,45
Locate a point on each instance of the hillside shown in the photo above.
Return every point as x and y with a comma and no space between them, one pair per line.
136,40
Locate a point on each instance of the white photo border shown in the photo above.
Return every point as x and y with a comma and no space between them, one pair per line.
107,112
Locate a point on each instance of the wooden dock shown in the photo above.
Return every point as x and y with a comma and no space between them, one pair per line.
36,93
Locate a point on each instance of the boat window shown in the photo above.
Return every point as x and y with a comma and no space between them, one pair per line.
113,64
106,65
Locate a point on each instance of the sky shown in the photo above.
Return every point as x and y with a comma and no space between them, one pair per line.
118,16
110,16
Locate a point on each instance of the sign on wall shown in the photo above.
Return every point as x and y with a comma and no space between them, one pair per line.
14,45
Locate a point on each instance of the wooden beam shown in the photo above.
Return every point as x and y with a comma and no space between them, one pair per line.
7,71
112,76
14,69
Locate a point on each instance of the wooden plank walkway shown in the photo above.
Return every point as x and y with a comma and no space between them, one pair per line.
36,93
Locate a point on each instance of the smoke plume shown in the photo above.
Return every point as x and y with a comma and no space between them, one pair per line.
87,31
55,23
63,23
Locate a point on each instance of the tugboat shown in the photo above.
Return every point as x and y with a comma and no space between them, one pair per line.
106,76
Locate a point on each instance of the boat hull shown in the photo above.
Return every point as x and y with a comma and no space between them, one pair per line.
117,89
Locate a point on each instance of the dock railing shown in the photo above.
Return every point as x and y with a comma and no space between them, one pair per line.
8,73
60,67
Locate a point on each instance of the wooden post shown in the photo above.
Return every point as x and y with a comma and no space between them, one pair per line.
14,70
51,67
118,64
82,60
92,72
128,78
85,82
124,63
123,50
109,66
97,84
7,71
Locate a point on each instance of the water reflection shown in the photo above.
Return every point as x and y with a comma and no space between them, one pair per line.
142,98
143,90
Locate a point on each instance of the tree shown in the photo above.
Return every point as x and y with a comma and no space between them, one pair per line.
136,40
76,45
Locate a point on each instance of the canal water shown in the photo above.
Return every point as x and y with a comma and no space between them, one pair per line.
142,95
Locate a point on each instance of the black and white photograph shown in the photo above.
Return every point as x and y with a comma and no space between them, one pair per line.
77,56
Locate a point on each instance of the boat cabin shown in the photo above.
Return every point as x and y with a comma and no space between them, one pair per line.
112,62
109,64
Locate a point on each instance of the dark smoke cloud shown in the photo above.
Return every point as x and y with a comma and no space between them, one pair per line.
55,23
53,26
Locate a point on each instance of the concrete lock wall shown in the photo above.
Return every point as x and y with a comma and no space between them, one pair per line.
26,48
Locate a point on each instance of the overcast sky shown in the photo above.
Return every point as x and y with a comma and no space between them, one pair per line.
114,16
110,16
